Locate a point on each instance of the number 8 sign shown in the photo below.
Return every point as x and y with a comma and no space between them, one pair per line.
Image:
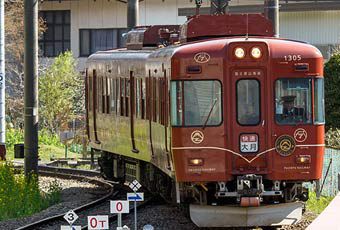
119,206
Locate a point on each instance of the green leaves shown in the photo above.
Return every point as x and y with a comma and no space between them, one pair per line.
21,197
332,91
60,92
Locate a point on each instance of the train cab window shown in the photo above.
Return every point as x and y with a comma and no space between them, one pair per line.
319,107
293,101
248,102
196,103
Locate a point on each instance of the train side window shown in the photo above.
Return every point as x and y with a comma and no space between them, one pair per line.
319,104
176,103
154,97
293,101
104,87
138,98
143,96
108,95
248,102
90,85
127,97
122,96
113,95
99,93
117,96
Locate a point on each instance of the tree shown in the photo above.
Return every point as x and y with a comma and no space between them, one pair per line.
332,91
14,42
61,94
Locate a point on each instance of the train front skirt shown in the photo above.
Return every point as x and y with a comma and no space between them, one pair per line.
226,216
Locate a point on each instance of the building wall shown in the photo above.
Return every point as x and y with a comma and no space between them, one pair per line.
321,28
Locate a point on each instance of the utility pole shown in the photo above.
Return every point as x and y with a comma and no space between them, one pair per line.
132,13
271,11
31,86
2,82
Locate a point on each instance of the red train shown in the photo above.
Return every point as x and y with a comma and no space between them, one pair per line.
218,114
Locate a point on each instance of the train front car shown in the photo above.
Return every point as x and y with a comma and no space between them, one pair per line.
247,119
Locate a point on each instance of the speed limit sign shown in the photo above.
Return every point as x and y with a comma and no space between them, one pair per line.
119,206
70,217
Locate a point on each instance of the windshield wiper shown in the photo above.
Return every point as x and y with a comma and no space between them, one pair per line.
211,109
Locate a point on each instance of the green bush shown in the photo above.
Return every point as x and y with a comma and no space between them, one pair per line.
21,197
315,205
332,91
333,138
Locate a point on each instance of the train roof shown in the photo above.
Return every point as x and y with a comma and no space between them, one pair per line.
277,46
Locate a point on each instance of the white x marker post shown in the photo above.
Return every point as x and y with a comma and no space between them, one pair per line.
135,186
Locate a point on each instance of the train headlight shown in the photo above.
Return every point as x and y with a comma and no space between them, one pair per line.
196,162
240,53
256,52
303,159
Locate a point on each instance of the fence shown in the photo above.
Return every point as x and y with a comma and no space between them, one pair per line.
331,161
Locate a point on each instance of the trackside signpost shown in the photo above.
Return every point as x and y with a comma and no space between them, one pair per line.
119,207
98,222
135,186
70,217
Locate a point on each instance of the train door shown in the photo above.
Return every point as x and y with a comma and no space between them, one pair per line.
249,121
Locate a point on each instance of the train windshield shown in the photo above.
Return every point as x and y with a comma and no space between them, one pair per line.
196,103
293,101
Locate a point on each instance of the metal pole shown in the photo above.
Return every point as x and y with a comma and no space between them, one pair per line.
31,86
135,212
2,80
271,11
119,220
132,13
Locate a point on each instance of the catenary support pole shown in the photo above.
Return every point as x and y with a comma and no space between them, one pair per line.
271,11
31,86
2,81
132,13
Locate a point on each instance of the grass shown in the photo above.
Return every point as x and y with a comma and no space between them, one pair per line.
49,145
317,206
21,197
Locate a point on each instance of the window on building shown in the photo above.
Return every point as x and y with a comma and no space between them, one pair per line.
93,40
56,38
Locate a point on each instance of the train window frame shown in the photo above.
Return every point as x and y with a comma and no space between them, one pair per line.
311,103
316,98
260,100
183,105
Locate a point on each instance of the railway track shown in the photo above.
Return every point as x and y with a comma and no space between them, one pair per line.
99,206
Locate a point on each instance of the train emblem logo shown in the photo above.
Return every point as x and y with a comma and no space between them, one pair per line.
300,135
202,57
285,145
197,137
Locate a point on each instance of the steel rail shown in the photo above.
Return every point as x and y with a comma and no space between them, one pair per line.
71,174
